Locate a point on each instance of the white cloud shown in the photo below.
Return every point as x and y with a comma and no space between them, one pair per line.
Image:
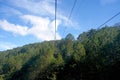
42,28
42,25
42,8
107,1
6,45
16,29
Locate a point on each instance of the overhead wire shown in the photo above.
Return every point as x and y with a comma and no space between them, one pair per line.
75,1
55,17
109,20
80,5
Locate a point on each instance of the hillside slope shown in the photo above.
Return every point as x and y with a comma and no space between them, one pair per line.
95,55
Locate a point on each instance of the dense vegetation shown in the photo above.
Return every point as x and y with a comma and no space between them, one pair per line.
95,55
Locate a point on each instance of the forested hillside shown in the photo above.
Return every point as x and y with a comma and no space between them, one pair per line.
95,55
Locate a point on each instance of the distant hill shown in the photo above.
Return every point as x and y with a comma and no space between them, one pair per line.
95,55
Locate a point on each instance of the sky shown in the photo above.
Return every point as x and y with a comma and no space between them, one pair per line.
29,21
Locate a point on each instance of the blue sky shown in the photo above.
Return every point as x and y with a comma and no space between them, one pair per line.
29,21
